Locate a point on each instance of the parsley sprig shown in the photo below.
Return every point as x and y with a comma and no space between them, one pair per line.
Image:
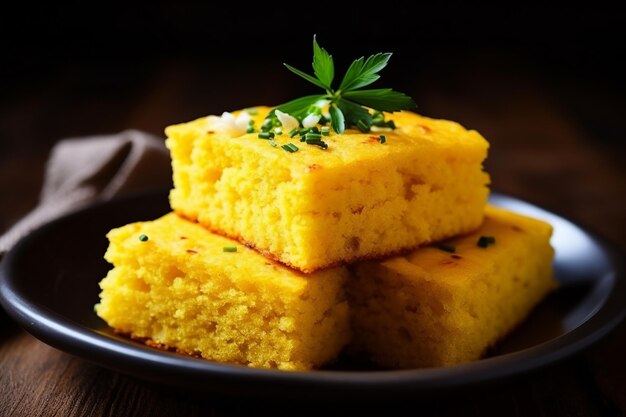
348,104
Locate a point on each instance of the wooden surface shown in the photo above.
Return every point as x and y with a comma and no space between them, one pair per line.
554,143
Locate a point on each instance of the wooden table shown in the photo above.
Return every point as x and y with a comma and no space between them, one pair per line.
553,143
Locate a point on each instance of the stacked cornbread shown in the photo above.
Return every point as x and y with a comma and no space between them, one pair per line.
279,254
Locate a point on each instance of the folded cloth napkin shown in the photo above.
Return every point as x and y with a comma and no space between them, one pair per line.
81,171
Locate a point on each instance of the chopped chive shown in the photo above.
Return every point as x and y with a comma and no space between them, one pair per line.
250,129
267,125
325,130
363,127
314,129
379,121
313,136
391,124
274,144
276,123
230,249
485,241
294,132
382,139
317,142
252,111
447,248
251,122
278,131
304,131
290,147
143,238
266,135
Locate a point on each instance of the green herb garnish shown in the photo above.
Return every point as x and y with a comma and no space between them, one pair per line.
143,238
382,139
290,147
446,247
266,135
485,241
230,249
348,104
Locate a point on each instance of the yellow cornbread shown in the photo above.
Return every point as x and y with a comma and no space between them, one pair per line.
181,289
435,308
358,199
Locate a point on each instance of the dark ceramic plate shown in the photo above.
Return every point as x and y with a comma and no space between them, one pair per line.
49,284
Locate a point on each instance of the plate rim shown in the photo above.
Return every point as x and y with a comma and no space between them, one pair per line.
61,332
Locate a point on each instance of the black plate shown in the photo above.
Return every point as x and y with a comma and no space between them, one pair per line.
49,284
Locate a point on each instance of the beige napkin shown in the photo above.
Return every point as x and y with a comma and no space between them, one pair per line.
81,171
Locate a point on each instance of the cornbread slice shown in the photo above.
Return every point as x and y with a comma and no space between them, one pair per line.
181,289
436,308
317,208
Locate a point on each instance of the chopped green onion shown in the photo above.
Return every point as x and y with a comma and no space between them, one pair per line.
143,238
317,142
314,129
251,122
485,241
391,124
363,127
290,147
447,248
379,121
313,136
250,129
253,111
266,135
274,144
304,131
278,131
267,125
382,139
294,132
230,249
325,130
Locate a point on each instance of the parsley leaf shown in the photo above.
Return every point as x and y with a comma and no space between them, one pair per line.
323,65
299,108
382,99
362,73
337,120
306,76
348,106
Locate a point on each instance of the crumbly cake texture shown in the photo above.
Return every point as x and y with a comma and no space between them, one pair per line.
434,308
312,209
177,286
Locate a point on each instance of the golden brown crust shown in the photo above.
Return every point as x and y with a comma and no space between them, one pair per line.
307,271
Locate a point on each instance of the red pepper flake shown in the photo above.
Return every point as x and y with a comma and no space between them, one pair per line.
183,237
191,251
456,257
372,139
210,132
314,167
424,129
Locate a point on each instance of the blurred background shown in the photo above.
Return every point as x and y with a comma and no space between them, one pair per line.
544,84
